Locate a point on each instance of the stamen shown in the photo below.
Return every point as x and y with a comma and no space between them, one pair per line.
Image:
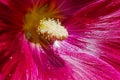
51,29
43,30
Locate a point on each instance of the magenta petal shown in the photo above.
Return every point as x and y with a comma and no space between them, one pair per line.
99,8
85,65
31,63
89,68
10,17
97,28
110,53
20,5
18,63
71,6
66,8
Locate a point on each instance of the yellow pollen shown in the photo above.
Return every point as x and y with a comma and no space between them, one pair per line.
41,27
51,29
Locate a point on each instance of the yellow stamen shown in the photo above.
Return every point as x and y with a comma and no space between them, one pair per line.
52,29
41,28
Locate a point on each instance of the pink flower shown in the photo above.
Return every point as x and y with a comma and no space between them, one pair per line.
59,40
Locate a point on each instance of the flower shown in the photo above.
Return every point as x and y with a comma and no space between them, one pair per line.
59,40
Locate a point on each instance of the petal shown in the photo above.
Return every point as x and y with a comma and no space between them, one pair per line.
21,6
29,62
98,8
100,31
10,17
76,66
84,65
71,6
66,8
18,63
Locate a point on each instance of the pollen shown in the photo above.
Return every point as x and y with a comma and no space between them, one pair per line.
52,29
43,28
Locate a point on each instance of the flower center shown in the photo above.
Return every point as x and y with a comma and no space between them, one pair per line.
41,27
46,31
